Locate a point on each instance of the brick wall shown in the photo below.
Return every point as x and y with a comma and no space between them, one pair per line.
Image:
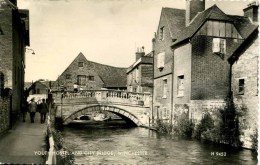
247,68
4,114
160,103
210,72
12,45
182,66
6,45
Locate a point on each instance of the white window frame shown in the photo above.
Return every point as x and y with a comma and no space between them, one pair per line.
180,86
165,88
161,60
219,45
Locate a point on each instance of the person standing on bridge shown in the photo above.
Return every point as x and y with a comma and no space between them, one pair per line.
32,109
44,109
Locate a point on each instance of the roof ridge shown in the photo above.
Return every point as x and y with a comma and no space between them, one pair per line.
108,65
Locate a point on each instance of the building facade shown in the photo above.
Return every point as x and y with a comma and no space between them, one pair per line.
88,75
140,74
244,85
14,37
201,72
172,21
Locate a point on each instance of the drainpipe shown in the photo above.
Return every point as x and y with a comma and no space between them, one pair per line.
230,80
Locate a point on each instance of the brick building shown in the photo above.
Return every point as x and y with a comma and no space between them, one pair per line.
140,74
172,21
14,37
201,69
90,75
245,77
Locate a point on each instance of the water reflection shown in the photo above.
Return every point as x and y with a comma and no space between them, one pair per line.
109,143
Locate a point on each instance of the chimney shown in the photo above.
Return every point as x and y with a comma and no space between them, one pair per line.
140,53
251,11
193,7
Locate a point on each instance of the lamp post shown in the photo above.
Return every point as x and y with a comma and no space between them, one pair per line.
33,53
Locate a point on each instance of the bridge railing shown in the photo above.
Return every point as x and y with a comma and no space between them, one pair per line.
109,96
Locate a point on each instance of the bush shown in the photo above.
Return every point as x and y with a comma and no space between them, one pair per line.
203,129
183,127
226,129
254,139
163,127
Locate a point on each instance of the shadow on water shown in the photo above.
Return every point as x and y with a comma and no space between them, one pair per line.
91,124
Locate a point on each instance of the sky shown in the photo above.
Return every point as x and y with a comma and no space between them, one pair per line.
105,31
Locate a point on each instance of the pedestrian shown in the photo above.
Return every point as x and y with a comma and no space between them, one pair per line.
24,109
44,110
32,109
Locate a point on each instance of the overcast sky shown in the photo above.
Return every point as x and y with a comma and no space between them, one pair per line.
105,31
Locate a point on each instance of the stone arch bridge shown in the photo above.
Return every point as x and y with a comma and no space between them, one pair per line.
134,108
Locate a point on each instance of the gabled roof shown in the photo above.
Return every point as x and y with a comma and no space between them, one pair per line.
111,76
44,84
240,50
211,13
175,20
243,24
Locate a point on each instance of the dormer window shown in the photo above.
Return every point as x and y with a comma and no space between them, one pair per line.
161,33
80,64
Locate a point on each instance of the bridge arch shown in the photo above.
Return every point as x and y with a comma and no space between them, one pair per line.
124,114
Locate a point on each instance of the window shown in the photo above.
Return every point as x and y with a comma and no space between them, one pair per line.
180,86
160,60
164,88
68,76
91,78
81,80
161,33
80,64
165,113
241,86
219,46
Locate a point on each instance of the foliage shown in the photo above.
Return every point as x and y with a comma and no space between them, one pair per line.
254,138
163,127
203,128
225,129
183,126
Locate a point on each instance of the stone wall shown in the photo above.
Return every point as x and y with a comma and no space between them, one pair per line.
247,68
4,114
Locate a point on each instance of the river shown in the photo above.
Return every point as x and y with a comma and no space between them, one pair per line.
115,143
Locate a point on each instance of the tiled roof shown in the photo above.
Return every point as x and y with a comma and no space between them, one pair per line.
243,24
111,76
175,20
236,54
211,13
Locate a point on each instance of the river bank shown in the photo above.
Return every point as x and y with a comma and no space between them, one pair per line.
108,144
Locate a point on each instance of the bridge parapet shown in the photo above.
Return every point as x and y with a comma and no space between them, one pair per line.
104,96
